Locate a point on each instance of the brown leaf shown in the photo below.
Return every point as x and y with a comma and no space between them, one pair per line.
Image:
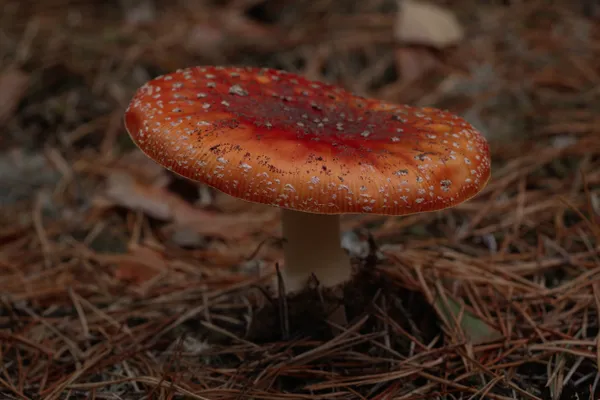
232,226
138,266
551,77
126,191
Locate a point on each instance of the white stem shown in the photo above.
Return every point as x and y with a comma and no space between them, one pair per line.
313,246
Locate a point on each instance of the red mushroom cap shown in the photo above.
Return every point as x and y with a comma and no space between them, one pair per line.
277,138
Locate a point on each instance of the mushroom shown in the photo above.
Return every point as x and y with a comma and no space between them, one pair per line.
310,148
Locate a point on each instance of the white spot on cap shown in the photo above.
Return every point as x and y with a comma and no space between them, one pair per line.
245,167
238,90
445,184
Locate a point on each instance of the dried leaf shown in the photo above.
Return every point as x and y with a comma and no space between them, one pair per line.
157,202
185,236
420,22
126,191
143,167
139,265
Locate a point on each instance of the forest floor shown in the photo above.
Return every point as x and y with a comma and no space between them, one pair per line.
107,291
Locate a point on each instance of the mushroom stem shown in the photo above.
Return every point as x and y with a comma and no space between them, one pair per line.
313,246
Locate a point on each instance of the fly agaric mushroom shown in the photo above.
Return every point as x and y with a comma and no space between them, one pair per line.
310,148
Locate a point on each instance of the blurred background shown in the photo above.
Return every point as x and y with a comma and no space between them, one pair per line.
96,240
501,64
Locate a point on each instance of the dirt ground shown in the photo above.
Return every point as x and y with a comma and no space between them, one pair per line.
119,280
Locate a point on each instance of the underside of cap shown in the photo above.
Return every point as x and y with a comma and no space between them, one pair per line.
276,138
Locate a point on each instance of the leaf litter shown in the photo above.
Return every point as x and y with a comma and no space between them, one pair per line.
118,279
